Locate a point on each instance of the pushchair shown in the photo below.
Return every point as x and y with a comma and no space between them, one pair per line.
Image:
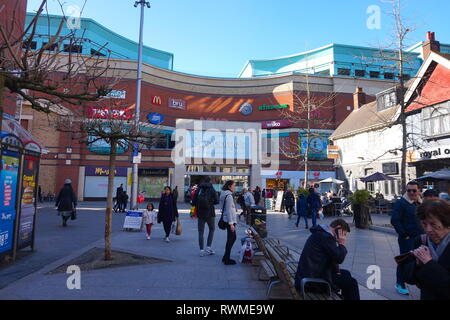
344,208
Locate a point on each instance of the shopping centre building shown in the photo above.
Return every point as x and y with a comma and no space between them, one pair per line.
252,139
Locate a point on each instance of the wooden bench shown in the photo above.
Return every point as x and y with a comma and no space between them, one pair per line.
286,271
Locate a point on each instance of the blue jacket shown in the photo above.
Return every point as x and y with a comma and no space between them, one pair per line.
302,205
404,218
313,201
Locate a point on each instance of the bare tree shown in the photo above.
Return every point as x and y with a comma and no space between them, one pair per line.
309,112
55,73
114,125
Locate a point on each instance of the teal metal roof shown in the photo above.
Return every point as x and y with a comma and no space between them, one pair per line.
117,46
333,60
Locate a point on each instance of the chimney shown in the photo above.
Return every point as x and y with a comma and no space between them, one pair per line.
430,45
359,99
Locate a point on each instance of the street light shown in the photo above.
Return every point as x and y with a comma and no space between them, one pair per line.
134,185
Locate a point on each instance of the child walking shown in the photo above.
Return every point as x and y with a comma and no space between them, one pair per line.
150,217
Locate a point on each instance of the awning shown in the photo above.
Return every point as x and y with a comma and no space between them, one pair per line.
12,126
437,175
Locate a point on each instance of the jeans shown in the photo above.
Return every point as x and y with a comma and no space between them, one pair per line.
148,226
314,216
348,285
167,228
299,215
201,229
405,245
231,238
290,210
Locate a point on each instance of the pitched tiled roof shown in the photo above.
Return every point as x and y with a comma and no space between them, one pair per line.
364,119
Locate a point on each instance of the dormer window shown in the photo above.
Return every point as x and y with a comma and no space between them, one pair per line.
386,99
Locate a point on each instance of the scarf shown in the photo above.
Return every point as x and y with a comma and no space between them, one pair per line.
437,250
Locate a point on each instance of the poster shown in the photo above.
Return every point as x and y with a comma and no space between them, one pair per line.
153,186
8,186
133,220
279,200
28,199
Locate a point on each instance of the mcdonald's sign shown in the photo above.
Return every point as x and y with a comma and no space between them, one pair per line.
156,100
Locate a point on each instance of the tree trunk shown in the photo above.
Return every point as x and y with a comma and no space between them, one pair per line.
362,216
109,202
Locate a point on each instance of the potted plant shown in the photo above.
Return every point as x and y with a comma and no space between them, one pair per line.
360,200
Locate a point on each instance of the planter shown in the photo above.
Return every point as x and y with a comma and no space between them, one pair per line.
361,216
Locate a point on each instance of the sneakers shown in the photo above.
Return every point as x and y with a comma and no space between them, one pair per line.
203,253
148,237
401,290
167,239
209,251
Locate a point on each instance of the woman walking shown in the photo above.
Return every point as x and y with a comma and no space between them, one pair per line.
229,216
66,201
168,211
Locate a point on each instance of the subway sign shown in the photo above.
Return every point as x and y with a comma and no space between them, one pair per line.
274,107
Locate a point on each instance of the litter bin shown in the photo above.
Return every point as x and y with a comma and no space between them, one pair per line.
257,212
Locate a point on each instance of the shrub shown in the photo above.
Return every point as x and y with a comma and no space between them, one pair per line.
360,197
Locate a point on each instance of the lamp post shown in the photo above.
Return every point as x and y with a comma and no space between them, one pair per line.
134,185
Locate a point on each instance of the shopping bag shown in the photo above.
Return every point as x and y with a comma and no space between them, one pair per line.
173,228
320,215
73,215
179,228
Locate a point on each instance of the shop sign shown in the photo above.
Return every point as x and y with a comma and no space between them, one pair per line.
164,172
177,104
117,94
155,118
333,152
276,124
102,171
246,109
435,153
157,100
133,220
107,113
318,145
274,107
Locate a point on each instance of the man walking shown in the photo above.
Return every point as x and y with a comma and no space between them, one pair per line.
289,202
204,200
314,204
407,225
249,204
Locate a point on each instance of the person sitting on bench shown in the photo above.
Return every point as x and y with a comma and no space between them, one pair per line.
322,254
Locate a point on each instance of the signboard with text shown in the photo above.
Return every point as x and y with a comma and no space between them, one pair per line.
109,113
276,124
177,104
102,171
133,220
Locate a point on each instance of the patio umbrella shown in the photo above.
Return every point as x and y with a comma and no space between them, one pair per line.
332,180
437,175
378,176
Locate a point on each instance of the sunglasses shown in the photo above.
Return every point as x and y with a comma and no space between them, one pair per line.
412,190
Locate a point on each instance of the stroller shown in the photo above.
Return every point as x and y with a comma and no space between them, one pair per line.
344,209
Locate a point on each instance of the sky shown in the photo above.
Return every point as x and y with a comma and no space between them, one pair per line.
217,37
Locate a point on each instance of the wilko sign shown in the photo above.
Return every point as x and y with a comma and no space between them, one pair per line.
276,124
157,100
177,104
108,113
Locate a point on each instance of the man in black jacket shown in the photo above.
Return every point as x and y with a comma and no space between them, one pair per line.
322,254
204,200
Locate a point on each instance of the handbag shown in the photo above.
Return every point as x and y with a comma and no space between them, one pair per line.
222,224
179,228
73,215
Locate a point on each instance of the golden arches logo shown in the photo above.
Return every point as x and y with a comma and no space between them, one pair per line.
157,100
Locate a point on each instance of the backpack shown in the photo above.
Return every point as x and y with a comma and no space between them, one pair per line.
203,203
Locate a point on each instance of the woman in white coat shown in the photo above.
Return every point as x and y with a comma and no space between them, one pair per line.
230,217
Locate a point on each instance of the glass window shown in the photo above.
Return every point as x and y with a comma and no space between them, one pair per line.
360,73
393,189
74,48
209,169
389,75
226,169
374,74
242,170
343,72
436,120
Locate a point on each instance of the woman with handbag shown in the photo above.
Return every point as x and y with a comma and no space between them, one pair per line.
168,211
66,202
229,216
